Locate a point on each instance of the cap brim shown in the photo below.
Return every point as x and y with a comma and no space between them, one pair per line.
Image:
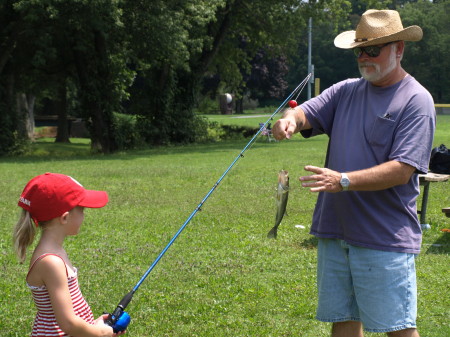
94,199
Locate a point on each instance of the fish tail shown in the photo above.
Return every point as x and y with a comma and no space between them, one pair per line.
273,233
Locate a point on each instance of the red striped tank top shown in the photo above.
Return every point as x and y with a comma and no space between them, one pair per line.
45,322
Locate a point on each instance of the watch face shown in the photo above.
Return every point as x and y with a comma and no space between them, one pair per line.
345,182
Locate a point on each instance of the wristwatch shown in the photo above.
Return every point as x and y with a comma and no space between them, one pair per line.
345,182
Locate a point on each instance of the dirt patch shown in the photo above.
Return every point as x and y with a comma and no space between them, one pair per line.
46,132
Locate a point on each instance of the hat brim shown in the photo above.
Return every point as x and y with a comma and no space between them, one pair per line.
94,199
346,40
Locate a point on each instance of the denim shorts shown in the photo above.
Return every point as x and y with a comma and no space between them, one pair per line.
374,287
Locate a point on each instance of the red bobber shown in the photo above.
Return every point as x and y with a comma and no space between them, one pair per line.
292,104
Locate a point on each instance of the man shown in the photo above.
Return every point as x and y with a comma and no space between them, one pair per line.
380,130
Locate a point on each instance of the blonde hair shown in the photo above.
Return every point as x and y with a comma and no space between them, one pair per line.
24,233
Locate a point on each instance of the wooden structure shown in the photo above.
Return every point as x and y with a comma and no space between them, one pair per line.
425,180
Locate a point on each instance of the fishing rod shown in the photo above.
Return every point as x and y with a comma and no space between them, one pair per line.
120,319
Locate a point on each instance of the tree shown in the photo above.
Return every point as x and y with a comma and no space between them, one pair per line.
175,44
427,59
90,51
94,57
49,42
267,79
10,33
424,59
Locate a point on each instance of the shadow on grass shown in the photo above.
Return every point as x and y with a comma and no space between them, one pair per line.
79,149
440,246
310,243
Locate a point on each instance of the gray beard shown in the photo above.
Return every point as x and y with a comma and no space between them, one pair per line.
377,74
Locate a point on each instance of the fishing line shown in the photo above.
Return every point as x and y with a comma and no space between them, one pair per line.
298,89
119,319
303,86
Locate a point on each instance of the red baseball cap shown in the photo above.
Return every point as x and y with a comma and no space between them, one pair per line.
50,195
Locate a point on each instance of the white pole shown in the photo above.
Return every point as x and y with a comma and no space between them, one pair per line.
310,67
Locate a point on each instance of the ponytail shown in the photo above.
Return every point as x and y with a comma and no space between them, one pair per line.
24,233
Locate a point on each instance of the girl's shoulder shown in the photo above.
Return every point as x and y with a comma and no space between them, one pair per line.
44,265
48,257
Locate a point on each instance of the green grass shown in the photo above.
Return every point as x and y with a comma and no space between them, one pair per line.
222,276
251,120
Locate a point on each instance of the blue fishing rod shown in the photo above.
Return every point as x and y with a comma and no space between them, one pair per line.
120,319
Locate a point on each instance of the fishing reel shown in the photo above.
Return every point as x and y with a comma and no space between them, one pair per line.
120,319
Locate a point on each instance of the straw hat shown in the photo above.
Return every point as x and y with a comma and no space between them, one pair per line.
378,27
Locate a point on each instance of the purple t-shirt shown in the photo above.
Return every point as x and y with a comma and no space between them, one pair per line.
368,126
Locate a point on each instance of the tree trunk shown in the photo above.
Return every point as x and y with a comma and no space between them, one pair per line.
240,105
25,114
94,77
8,116
62,134
30,122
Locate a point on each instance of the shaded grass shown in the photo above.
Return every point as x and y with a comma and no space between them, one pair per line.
46,147
250,120
222,277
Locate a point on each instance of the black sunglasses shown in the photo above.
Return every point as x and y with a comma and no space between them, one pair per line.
372,51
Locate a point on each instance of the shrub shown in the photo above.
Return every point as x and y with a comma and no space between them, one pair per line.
126,131
218,132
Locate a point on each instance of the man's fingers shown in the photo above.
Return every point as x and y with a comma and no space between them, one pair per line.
313,169
290,130
323,180
313,177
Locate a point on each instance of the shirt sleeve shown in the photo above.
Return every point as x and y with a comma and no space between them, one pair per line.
414,135
320,110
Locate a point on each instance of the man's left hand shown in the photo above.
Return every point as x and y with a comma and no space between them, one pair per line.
323,180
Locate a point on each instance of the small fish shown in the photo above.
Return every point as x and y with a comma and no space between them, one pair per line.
282,199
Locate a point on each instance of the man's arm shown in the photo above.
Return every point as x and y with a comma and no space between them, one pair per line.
293,120
380,177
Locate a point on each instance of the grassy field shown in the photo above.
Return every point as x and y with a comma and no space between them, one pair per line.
251,120
222,277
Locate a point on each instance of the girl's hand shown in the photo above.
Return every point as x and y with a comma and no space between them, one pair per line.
101,321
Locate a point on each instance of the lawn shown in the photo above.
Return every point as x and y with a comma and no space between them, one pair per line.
222,276
251,120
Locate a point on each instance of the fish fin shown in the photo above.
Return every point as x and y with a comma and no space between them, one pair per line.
273,233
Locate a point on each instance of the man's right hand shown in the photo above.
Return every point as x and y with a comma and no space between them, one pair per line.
284,128
293,120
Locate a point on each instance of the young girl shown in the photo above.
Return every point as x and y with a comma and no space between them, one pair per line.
55,203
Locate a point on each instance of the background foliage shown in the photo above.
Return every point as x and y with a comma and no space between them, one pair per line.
161,60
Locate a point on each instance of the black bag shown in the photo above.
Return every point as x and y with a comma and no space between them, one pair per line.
440,160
